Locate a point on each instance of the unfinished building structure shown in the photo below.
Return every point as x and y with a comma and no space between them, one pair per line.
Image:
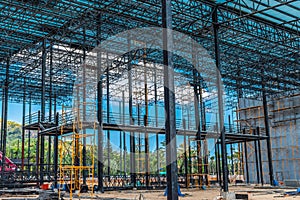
122,98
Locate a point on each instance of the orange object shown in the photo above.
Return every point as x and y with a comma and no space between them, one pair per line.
45,186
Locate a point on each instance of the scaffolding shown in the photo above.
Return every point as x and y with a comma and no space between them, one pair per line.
77,151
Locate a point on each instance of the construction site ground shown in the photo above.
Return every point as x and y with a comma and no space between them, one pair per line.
212,193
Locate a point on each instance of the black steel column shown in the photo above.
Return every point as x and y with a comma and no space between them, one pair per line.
185,154
231,159
50,107
23,124
84,107
108,118
5,117
267,127
246,159
156,123
220,100
29,134
56,151
2,116
256,157
147,167
132,135
197,116
43,109
260,157
169,101
124,134
100,127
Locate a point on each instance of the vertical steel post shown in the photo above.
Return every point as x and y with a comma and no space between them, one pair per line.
260,158
29,134
100,122
146,122
246,159
132,135
108,117
267,127
169,101
50,107
5,117
43,108
256,158
197,117
156,122
23,124
185,153
56,151
124,134
220,100
84,104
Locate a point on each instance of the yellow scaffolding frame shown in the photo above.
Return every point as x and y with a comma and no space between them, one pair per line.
71,166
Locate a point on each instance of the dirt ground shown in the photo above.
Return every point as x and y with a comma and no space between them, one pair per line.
192,194
211,193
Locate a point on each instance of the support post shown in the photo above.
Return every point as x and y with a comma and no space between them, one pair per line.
108,118
84,104
256,158
100,127
169,101
5,117
29,135
267,127
23,124
50,108
220,100
260,158
246,158
56,151
43,109
132,135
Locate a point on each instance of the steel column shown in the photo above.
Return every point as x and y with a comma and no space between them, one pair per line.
5,112
220,100
267,127
246,159
260,158
84,107
169,101
23,124
256,157
132,135
43,109
56,151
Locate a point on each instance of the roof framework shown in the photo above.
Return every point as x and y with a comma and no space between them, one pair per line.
259,41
